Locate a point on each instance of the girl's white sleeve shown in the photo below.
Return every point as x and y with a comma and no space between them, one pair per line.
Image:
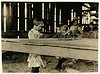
30,35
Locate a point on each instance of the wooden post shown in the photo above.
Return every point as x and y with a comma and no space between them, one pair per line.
43,30
72,15
32,11
60,16
10,10
88,18
49,17
55,18
68,22
18,17
4,17
25,16
42,10
78,19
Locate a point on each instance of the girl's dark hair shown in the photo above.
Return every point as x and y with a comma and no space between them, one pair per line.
38,19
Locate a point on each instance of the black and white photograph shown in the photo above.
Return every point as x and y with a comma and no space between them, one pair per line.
49,37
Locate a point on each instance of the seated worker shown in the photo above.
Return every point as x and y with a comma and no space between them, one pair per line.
61,32
75,30
93,33
90,31
34,60
79,31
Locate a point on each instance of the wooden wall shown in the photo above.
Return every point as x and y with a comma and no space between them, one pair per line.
12,21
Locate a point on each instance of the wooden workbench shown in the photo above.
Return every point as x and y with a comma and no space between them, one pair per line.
69,48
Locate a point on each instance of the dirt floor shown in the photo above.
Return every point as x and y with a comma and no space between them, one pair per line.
17,63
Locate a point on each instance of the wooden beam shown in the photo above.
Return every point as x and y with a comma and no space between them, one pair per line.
33,46
75,43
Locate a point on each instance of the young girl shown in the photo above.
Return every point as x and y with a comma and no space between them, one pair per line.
34,60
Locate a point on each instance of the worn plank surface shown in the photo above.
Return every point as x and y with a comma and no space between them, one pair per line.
76,43
72,48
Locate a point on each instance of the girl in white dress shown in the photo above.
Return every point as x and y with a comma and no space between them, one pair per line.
34,60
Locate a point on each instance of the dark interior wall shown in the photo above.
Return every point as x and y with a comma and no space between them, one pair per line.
51,18
2,21
66,10
11,20
94,6
14,17
29,16
21,16
37,9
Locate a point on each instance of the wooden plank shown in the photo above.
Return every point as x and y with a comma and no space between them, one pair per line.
43,50
80,42
91,44
52,51
84,54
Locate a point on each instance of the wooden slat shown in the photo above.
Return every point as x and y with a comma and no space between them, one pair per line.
52,50
91,44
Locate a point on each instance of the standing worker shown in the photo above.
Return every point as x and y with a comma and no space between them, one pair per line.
35,60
